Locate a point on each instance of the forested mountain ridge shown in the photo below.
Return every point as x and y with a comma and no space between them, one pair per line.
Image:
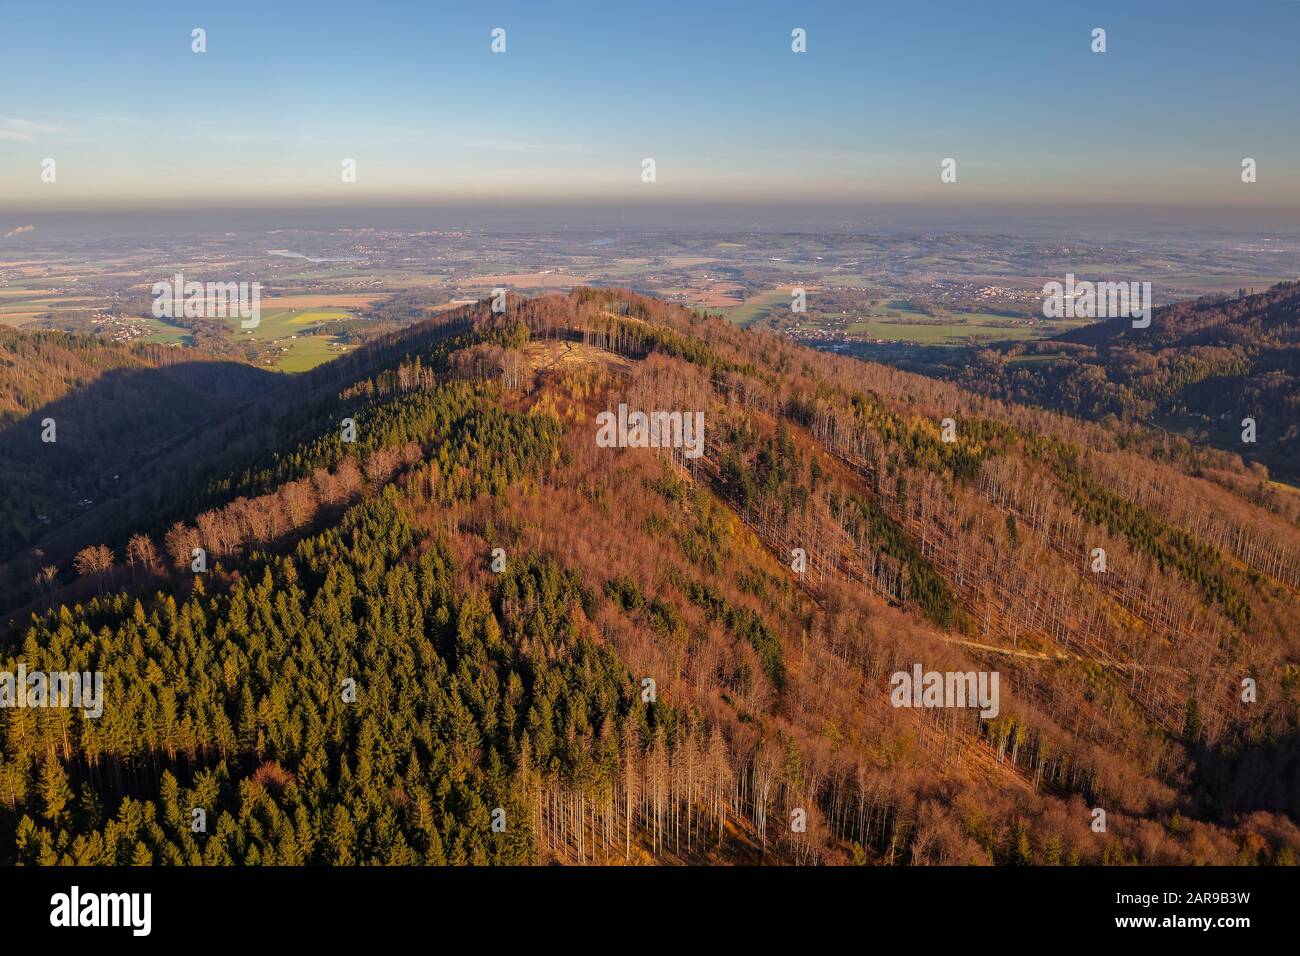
1204,365
41,366
1268,318
432,644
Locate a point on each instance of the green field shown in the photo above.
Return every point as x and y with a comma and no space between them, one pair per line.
308,351
754,309
893,321
165,334
296,344
1030,359
279,324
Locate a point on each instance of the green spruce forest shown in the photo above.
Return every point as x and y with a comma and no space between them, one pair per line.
438,625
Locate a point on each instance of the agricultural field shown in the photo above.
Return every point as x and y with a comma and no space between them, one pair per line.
291,336
756,307
1209,284
166,334
534,280
307,351
894,321
20,307
331,300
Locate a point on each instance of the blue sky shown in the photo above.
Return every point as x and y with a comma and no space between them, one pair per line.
713,93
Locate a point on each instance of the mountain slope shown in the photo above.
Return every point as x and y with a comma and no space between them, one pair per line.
476,634
1203,365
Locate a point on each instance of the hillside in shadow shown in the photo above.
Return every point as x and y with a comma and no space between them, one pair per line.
112,454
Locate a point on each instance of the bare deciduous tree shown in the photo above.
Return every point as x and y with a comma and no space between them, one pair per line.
94,560
45,582
140,551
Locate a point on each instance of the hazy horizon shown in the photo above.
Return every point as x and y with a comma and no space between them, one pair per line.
25,226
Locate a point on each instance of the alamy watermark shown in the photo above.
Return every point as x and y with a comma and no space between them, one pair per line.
75,908
200,300
84,690
1074,299
638,429
922,688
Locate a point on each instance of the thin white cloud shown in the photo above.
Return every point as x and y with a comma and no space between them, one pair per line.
121,121
218,136
26,131
516,146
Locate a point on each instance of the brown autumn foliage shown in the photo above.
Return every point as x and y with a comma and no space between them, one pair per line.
1118,690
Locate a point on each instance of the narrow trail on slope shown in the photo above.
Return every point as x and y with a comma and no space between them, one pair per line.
973,747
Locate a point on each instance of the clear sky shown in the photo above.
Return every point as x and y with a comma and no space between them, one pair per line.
712,91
